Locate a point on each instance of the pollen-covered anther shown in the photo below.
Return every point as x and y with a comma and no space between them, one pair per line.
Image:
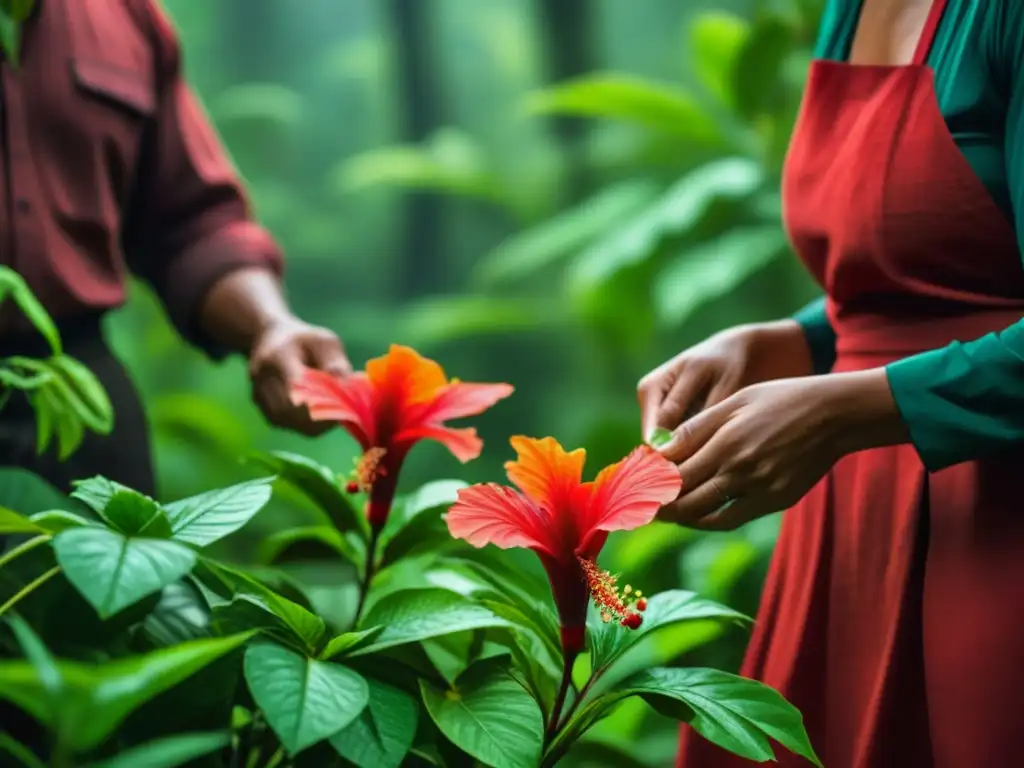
606,596
367,471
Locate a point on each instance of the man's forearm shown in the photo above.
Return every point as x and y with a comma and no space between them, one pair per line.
240,306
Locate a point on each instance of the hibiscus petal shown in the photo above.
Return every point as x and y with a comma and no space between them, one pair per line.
494,514
546,472
348,401
627,495
406,375
464,444
460,399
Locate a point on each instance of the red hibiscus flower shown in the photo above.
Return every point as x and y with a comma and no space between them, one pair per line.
401,398
566,522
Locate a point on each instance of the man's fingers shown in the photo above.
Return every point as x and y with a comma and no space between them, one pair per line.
328,355
691,436
705,499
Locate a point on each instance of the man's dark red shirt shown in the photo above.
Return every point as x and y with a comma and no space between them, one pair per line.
110,165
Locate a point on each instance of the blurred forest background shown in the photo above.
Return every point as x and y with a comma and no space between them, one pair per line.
560,194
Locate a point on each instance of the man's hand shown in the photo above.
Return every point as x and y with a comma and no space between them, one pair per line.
279,355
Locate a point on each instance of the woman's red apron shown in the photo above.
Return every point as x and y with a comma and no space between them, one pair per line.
893,612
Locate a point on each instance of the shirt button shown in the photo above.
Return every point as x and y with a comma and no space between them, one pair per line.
24,206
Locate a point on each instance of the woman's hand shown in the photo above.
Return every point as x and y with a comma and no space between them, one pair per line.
762,449
705,375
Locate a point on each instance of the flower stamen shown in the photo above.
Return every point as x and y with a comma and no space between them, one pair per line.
624,607
367,471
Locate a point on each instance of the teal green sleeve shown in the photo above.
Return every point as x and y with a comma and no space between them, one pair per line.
966,401
820,336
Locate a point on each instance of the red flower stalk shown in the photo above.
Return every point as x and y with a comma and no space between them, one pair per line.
566,522
400,399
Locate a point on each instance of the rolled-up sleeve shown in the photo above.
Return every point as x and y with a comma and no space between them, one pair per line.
188,223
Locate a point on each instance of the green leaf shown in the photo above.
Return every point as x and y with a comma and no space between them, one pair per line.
12,522
716,38
133,514
85,393
713,269
181,615
169,752
23,755
96,698
305,701
56,520
660,437
320,485
113,571
27,493
314,542
531,250
416,524
210,516
733,712
383,733
417,614
756,76
660,107
13,283
96,492
610,641
282,619
38,656
349,643
490,716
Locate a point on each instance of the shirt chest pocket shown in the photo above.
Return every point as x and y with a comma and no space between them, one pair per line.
115,106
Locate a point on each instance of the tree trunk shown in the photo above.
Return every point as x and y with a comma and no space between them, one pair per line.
422,253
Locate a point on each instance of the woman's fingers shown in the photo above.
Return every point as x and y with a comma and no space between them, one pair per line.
705,499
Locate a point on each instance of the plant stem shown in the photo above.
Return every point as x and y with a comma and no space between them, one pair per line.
568,660
29,588
24,547
368,572
576,702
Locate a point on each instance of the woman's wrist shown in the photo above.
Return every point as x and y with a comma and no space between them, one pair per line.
862,410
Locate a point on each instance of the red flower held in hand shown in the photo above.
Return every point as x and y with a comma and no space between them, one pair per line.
402,398
566,522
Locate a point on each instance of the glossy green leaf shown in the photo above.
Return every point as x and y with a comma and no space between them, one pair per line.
735,713
12,522
608,641
320,485
658,106
305,701
660,437
383,733
490,716
38,656
416,523
757,72
169,752
273,615
96,698
714,269
349,643
56,520
315,542
84,392
716,39
133,514
531,250
96,492
13,284
181,615
113,571
417,614
210,516
28,493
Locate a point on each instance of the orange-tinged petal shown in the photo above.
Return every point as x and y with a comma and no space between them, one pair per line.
348,401
493,514
464,444
627,495
406,375
546,472
460,399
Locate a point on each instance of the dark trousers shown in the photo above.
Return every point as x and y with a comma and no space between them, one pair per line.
124,455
